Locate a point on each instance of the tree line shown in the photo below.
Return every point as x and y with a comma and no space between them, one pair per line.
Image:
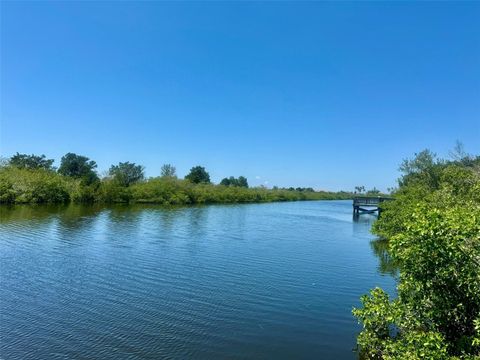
34,179
431,234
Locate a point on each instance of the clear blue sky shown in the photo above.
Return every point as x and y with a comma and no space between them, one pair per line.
329,95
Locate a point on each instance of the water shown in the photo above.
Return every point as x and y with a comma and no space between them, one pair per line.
258,281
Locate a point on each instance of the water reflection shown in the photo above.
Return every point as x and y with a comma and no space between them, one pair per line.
379,247
197,218
364,218
12,213
74,220
69,214
386,265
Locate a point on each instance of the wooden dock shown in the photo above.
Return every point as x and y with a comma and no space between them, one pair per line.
368,204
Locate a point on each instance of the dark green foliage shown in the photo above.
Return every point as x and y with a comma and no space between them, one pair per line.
226,181
168,170
302,189
231,181
242,181
24,161
126,173
79,167
198,175
309,189
433,232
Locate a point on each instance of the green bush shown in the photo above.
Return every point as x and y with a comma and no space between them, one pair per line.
433,235
32,186
110,191
46,186
7,192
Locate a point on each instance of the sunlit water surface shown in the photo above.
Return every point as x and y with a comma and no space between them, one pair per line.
260,281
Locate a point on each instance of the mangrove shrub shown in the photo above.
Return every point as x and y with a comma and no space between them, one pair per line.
433,235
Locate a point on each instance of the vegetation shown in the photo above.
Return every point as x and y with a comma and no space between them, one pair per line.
168,170
359,189
301,189
78,166
126,173
21,185
231,181
77,181
431,232
198,175
24,161
373,191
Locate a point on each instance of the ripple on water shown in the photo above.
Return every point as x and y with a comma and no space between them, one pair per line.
238,282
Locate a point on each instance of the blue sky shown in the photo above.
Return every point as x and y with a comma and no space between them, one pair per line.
329,95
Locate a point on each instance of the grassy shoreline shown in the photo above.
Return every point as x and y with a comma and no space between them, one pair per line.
39,186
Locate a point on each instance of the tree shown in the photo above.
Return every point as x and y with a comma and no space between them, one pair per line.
459,155
423,169
373,191
359,189
422,162
126,173
242,182
169,171
391,190
198,175
232,181
78,166
4,161
24,161
225,182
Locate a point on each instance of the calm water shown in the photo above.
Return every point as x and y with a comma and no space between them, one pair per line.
267,281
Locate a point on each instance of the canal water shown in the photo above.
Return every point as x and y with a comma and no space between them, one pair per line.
259,281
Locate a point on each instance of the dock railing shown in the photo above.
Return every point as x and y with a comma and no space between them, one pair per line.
369,200
368,204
